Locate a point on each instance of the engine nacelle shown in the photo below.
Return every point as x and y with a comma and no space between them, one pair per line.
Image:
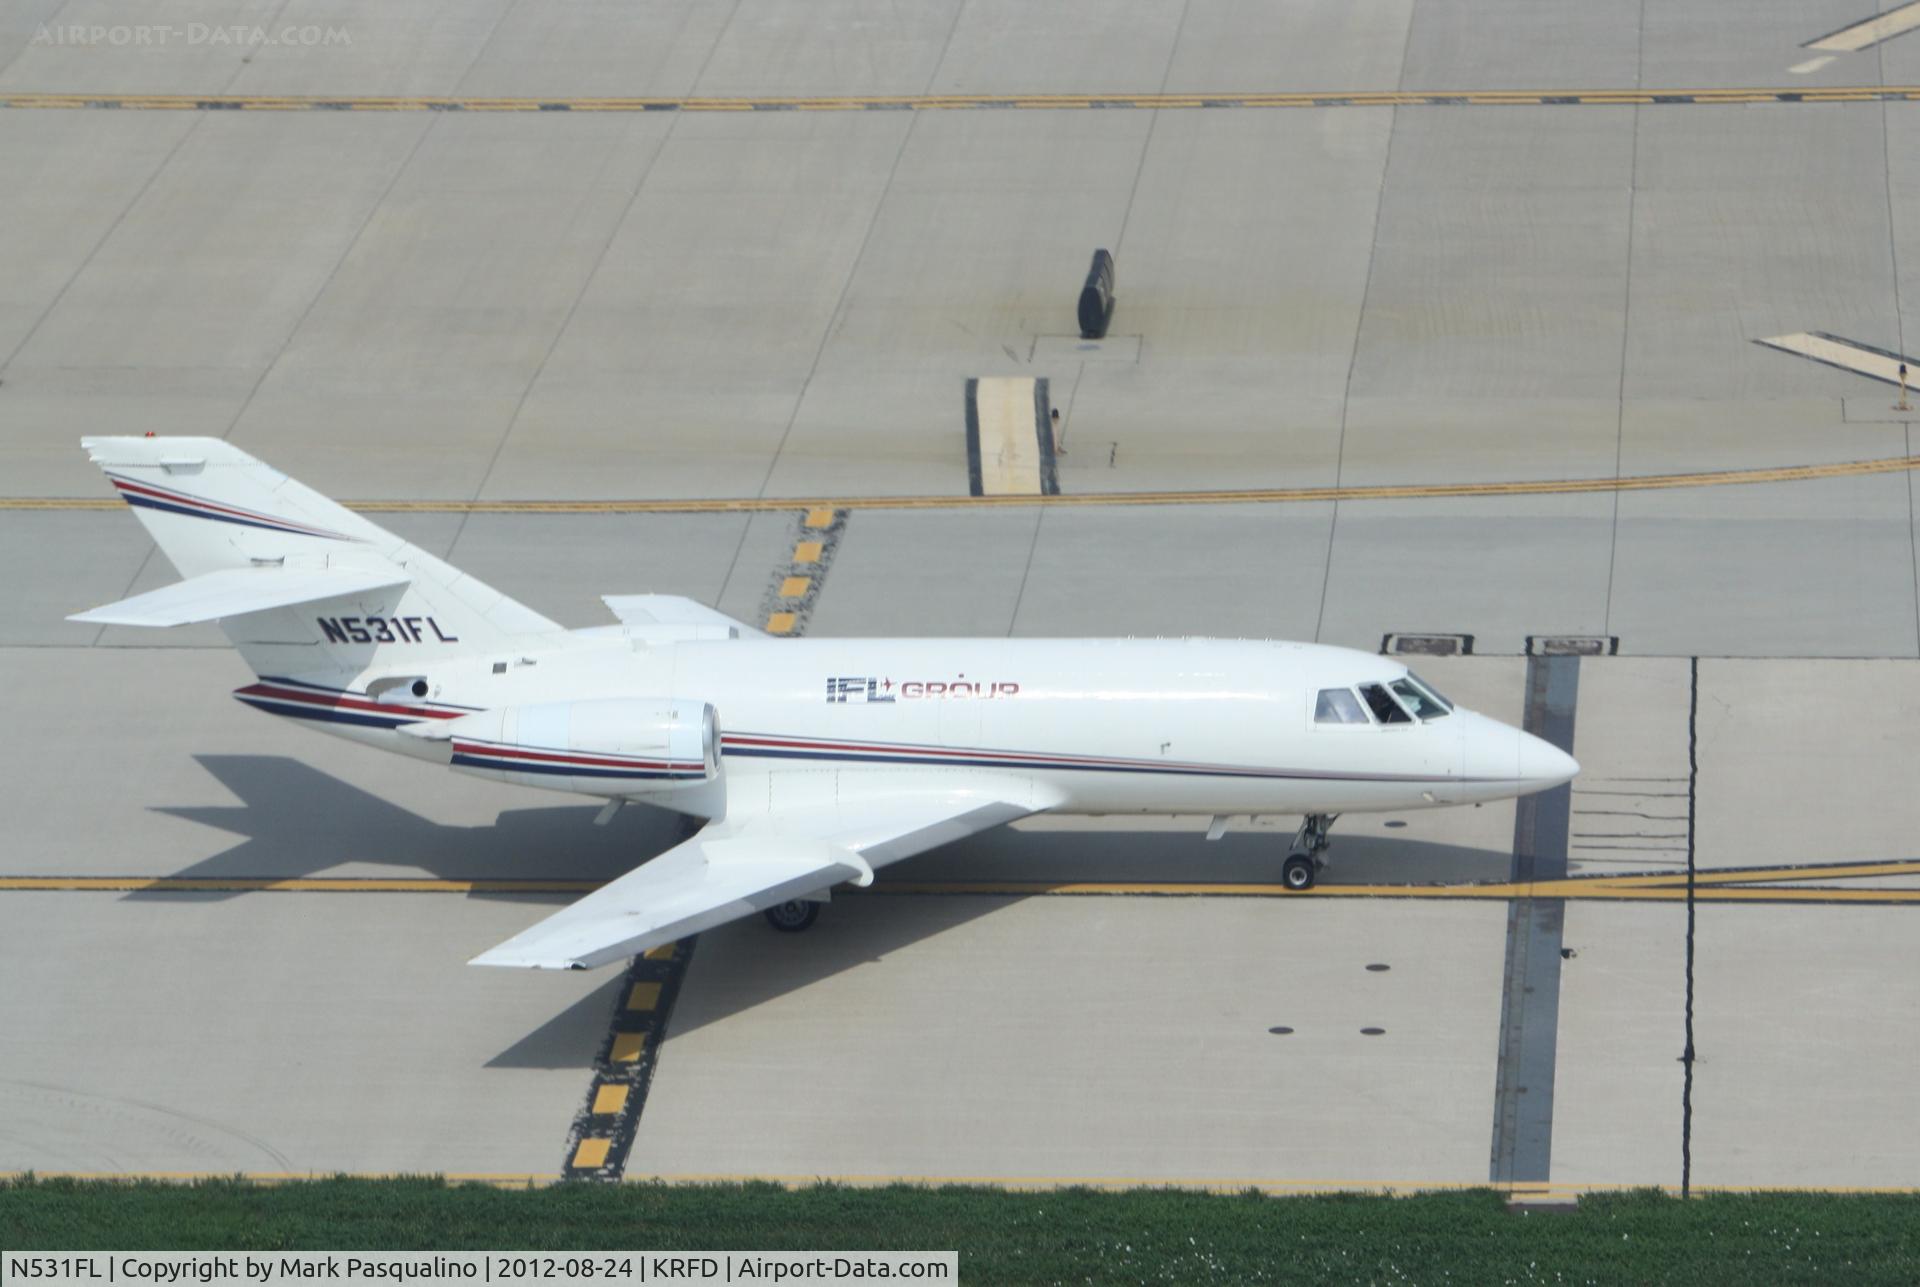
616,746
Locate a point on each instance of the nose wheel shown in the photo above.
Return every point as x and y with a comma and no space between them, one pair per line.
1303,864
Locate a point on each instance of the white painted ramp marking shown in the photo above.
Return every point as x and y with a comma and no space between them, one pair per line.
1009,457
1848,355
1871,31
1810,66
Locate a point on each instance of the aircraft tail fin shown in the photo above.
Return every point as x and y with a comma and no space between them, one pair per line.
300,584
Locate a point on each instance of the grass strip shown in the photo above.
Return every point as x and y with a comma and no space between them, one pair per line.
1070,1235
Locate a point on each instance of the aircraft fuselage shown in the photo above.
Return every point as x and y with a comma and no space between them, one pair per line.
1093,725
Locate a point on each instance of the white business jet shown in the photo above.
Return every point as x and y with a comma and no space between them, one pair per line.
811,761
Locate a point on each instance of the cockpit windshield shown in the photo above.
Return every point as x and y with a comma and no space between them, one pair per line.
1384,708
1399,701
1420,698
1338,706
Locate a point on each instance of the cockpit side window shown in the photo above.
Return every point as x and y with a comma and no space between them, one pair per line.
1421,700
1384,708
1338,706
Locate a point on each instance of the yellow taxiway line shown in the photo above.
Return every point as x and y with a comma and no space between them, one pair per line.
1257,496
966,102
1744,884
1596,888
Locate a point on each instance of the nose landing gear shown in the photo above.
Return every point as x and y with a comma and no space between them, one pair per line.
1303,864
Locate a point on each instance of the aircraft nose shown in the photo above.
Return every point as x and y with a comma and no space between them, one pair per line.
1544,765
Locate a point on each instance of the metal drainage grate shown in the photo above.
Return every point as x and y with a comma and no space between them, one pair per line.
1428,645
1572,645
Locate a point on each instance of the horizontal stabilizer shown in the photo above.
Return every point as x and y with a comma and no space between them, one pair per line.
665,614
234,592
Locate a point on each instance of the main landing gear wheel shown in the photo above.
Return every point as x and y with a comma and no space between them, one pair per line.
792,916
1298,872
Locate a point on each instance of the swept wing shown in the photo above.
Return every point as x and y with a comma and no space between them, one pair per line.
743,865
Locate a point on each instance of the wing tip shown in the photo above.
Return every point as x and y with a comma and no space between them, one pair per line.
500,958
108,617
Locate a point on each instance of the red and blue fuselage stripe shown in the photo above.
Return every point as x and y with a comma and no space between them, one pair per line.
555,762
300,700
794,748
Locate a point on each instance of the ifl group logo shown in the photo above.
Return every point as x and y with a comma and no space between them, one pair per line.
867,689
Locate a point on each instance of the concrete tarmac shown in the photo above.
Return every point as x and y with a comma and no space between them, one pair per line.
992,1035
458,305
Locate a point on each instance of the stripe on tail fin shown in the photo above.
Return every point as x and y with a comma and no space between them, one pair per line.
147,496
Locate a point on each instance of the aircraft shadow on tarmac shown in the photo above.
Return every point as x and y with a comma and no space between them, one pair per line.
571,1038
296,821
740,966
743,965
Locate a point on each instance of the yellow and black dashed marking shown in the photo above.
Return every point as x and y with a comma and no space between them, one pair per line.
968,102
603,1129
788,604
